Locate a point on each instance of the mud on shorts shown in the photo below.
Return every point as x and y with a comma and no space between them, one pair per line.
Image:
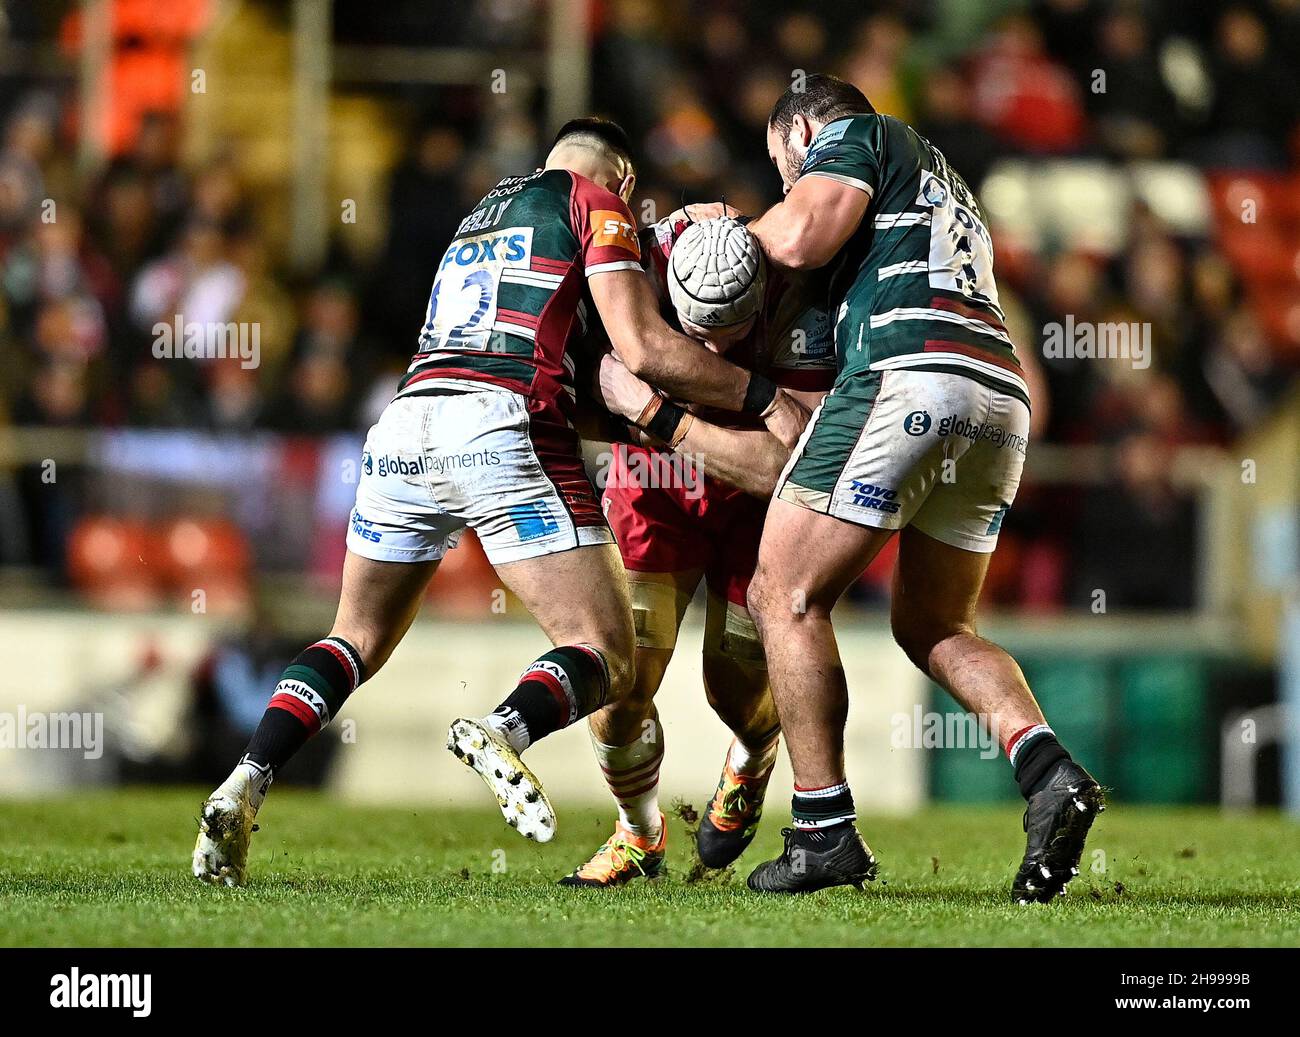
935,450
506,466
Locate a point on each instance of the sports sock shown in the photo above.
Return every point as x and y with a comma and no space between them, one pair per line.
817,810
1034,752
256,777
311,691
563,686
632,774
753,761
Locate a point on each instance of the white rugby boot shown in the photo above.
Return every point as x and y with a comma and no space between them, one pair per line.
227,824
520,795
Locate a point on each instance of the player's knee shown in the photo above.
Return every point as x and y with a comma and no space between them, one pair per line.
372,644
622,674
919,636
774,600
763,597
617,645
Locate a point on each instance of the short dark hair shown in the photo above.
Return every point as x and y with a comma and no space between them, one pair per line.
821,97
606,131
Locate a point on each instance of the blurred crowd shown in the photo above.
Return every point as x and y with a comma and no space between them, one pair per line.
89,265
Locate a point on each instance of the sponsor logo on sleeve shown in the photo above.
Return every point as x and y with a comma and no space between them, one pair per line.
611,228
829,135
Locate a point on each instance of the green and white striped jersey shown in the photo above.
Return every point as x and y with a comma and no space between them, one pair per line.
913,287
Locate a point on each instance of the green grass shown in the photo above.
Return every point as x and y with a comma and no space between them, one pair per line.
112,869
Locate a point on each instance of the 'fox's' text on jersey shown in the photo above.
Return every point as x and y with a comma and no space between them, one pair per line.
510,287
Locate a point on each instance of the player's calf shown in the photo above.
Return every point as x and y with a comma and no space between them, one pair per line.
735,681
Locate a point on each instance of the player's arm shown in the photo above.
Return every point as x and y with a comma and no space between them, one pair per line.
679,365
749,459
808,229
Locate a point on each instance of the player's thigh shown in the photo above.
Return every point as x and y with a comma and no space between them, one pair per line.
378,603
807,560
936,591
659,603
579,596
730,632
397,533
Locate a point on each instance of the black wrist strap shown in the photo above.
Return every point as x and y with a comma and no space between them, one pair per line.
665,421
759,394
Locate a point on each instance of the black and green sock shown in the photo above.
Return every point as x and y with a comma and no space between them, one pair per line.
560,688
310,693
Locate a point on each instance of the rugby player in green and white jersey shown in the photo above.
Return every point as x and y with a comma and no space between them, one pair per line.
923,435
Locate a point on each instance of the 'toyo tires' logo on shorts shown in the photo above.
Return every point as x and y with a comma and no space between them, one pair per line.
917,423
875,498
364,529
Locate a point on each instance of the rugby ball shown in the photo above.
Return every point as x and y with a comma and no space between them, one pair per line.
716,273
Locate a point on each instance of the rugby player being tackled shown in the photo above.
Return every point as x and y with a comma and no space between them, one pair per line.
700,518
491,386
923,436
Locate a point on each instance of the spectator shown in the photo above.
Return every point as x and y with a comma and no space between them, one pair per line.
1134,111
196,280
1255,96
1028,100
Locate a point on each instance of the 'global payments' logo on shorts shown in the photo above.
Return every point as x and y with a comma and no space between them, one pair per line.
874,498
953,425
385,465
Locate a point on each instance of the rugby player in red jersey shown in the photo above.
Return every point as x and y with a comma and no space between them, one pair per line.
700,517
481,434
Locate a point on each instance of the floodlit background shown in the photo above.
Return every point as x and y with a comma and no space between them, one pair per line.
171,530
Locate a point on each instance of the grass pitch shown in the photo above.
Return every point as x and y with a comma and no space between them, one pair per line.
113,869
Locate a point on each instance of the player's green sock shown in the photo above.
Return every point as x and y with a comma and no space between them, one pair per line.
563,686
